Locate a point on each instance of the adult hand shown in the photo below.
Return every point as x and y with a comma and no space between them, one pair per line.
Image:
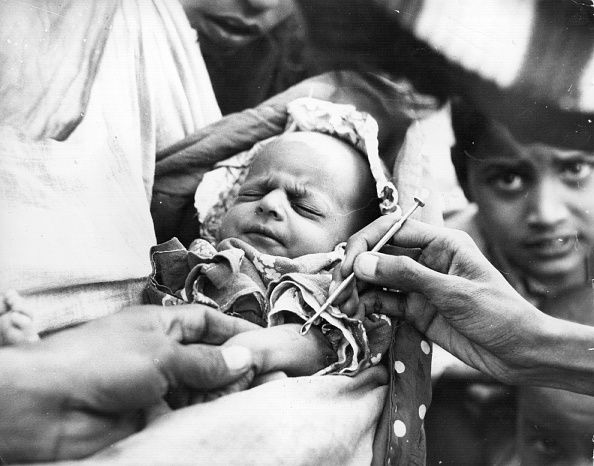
452,294
82,389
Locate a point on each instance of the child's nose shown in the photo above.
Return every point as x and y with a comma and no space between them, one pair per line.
547,206
262,5
272,205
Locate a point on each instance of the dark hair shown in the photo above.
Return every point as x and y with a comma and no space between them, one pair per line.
470,128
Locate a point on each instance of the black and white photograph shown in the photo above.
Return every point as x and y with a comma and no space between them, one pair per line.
297,232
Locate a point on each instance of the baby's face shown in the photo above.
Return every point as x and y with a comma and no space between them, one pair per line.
305,193
555,427
536,203
235,23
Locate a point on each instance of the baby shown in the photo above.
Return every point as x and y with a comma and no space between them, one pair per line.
305,193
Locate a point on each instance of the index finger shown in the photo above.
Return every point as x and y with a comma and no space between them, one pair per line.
413,234
196,323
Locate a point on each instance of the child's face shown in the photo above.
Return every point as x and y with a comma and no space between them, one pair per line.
555,427
305,193
536,203
235,23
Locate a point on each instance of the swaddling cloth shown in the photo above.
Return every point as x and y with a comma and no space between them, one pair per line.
278,289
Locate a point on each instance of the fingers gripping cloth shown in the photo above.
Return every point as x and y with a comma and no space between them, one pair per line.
219,187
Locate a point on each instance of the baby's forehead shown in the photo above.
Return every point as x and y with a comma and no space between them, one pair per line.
311,140
318,162
308,150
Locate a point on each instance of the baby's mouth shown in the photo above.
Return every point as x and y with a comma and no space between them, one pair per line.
261,232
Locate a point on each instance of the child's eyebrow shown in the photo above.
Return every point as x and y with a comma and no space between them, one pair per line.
571,156
504,162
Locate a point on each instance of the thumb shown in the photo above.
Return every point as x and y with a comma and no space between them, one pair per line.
204,367
399,273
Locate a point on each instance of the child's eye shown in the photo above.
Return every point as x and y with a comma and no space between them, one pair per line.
576,171
510,182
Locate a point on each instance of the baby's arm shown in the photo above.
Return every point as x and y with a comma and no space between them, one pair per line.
277,351
282,348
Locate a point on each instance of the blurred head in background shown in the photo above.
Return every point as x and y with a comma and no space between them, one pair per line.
555,427
232,24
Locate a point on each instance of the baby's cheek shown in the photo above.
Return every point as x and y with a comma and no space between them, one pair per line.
325,239
230,223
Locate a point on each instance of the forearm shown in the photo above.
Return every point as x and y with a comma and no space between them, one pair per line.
29,406
562,355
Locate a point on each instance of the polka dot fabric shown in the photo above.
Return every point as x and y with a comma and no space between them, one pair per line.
401,438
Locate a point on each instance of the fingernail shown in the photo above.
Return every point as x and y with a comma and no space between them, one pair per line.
366,264
237,358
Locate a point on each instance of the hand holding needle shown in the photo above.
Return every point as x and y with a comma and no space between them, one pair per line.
380,244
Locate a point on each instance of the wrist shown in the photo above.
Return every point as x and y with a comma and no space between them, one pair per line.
560,355
32,374
21,380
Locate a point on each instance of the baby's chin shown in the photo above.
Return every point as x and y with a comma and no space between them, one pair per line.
265,244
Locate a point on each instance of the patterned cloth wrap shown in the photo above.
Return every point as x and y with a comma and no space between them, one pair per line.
278,289
219,187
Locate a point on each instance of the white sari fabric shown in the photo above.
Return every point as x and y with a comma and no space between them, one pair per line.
297,421
89,91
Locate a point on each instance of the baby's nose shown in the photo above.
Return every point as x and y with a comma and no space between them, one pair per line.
272,205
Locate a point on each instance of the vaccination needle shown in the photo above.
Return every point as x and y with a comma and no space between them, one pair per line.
397,225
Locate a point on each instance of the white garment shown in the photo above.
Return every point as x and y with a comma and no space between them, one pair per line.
89,91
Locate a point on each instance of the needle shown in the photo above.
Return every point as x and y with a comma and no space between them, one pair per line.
380,244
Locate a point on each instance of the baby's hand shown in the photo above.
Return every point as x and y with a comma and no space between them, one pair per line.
282,348
276,352
16,324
